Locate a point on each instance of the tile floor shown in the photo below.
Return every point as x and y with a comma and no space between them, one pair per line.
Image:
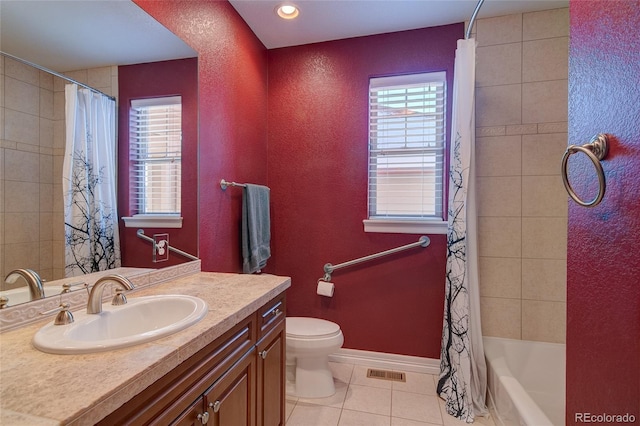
371,402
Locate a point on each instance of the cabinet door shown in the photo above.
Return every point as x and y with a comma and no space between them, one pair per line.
271,377
230,400
195,415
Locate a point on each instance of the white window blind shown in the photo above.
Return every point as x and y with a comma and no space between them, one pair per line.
155,145
406,146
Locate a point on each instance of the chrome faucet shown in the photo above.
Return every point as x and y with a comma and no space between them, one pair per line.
94,304
31,277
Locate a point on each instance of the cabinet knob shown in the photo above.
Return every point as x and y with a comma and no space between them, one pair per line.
264,354
204,417
215,406
276,312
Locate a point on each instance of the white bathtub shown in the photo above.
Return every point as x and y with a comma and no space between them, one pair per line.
526,381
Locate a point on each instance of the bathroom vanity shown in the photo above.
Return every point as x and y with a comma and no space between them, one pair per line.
227,369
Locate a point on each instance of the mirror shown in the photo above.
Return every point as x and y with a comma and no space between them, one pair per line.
47,33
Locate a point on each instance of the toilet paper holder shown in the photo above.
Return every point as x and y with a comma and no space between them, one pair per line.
423,241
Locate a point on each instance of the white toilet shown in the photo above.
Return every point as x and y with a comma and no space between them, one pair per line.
310,341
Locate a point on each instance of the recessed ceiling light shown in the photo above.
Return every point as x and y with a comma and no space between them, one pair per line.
287,11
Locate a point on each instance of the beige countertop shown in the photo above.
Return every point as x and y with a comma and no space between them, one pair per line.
37,388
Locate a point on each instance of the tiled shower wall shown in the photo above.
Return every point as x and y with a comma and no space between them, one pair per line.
521,134
32,134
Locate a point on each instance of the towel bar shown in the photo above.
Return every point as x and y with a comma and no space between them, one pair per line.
224,184
597,149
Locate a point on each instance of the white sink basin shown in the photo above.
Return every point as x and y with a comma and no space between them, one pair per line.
141,320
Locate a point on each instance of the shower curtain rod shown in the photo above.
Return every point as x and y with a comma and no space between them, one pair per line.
57,74
473,19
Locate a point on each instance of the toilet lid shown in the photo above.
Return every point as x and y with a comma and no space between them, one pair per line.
310,327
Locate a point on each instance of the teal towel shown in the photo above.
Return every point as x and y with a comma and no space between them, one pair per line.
256,228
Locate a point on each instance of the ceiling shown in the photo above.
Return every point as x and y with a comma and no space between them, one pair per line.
323,20
65,35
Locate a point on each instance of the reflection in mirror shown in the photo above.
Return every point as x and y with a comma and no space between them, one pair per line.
32,126
33,149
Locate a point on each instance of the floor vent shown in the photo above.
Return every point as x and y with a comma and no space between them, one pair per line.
395,376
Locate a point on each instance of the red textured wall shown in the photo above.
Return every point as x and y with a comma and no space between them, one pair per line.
316,161
167,78
318,135
603,272
232,90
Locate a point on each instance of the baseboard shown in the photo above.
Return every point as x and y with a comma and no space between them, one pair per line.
387,361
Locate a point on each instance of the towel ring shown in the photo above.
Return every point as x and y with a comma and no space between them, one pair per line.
597,149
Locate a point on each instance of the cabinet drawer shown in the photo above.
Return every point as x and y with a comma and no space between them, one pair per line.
271,314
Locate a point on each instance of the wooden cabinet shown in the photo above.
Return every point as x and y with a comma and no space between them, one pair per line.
236,380
271,350
230,401
194,415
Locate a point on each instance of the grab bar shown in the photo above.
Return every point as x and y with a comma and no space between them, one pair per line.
140,234
424,241
597,149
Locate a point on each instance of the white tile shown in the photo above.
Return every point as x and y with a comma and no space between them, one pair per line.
417,383
544,196
545,59
544,237
500,236
545,101
501,317
21,96
449,420
499,195
99,77
22,197
342,372
498,30
544,321
22,166
501,105
289,406
500,277
358,418
545,24
500,64
21,127
499,155
46,103
19,227
397,421
368,399
78,75
313,415
541,154
415,406
22,72
544,279
336,400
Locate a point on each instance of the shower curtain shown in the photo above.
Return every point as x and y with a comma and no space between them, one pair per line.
463,376
89,183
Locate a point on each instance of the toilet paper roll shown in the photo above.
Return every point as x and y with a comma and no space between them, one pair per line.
325,288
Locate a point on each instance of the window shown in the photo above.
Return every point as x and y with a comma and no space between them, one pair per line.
406,153
155,148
